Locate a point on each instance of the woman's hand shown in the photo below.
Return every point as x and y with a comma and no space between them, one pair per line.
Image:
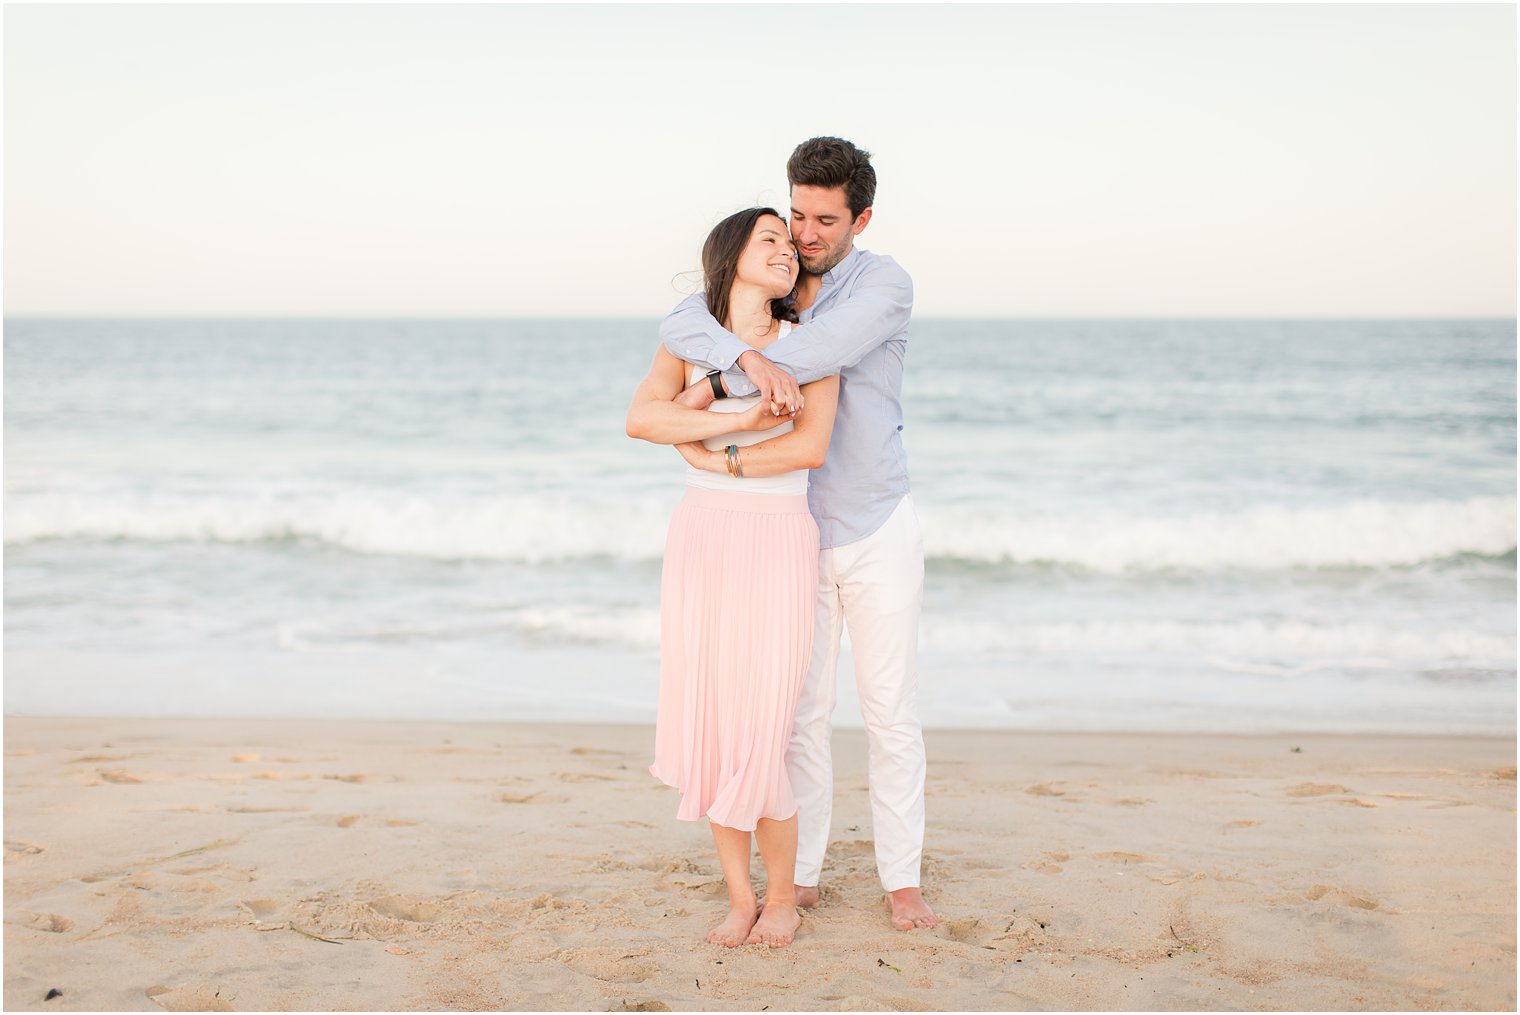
761,416
698,457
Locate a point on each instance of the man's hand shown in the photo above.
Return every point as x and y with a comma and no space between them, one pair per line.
777,387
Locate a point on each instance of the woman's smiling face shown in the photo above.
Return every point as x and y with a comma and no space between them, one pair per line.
769,259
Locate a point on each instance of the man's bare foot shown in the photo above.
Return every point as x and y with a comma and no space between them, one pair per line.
776,927
734,928
807,898
909,910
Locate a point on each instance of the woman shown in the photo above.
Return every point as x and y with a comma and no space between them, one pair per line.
740,577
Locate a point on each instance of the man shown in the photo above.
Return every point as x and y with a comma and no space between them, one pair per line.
854,308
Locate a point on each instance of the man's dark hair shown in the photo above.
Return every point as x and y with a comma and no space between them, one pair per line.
834,162
720,262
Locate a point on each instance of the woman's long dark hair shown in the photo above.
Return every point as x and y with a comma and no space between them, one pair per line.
720,263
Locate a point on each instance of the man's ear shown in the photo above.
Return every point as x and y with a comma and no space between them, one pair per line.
860,223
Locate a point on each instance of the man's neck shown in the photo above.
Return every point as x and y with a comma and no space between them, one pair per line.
808,285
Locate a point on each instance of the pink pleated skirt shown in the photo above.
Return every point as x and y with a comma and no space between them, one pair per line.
736,633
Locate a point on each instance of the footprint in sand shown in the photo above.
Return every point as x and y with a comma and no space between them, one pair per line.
1125,858
49,923
219,870
1239,823
1307,789
263,910
398,907
1047,863
995,934
530,798
582,777
120,775
350,820
197,997
975,864
1045,789
1340,896
841,849
19,848
971,931
609,967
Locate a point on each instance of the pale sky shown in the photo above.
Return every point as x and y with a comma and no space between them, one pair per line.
467,161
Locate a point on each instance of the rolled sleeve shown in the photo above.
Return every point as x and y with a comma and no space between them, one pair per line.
690,333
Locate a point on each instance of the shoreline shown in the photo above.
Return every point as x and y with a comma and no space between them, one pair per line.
157,863
1511,736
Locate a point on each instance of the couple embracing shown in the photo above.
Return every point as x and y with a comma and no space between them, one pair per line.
797,521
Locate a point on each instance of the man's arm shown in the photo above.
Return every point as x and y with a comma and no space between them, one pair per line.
690,333
877,308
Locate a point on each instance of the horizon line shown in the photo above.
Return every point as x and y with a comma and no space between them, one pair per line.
1511,317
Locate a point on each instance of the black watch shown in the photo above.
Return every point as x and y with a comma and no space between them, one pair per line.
714,378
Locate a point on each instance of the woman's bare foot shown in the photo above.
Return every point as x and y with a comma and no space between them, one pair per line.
909,910
735,926
776,927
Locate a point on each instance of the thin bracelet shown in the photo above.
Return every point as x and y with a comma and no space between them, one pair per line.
733,460
738,462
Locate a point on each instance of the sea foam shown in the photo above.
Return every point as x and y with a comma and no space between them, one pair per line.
540,528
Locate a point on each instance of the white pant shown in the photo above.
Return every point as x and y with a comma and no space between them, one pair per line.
876,585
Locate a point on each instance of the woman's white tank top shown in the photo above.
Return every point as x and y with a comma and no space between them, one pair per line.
785,484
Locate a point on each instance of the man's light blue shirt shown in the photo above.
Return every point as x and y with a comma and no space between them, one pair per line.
857,328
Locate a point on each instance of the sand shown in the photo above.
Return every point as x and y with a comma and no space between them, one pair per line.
192,864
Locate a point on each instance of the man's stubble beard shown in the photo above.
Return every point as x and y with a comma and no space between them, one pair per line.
824,265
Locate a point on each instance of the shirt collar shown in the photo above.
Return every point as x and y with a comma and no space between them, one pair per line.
843,268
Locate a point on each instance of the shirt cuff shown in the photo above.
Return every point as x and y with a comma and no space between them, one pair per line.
727,349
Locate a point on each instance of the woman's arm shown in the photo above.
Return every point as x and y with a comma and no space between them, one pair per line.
803,448
653,417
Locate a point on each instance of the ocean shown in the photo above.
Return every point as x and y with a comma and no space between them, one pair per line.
1233,526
